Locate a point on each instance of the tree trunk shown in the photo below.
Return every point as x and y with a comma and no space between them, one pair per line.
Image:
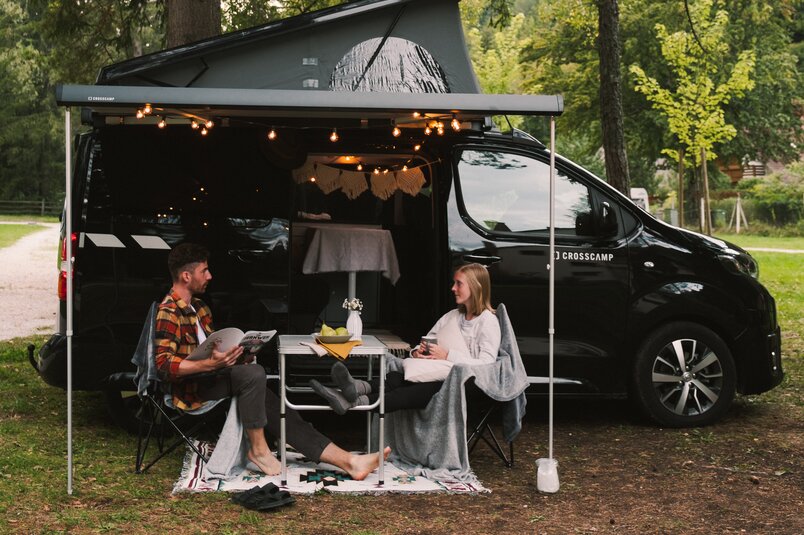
611,106
192,20
707,218
681,187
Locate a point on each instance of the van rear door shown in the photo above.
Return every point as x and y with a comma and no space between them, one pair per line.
498,215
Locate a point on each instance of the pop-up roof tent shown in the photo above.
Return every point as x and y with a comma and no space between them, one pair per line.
365,62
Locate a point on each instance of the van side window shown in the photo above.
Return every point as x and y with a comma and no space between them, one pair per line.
508,193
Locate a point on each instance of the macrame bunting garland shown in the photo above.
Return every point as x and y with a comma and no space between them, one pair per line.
354,183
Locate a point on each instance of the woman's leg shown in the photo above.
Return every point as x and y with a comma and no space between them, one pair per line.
401,394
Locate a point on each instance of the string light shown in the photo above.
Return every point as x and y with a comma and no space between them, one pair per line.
417,147
428,130
396,132
404,167
440,128
140,114
416,115
147,109
209,124
455,124
204,131
272,134
194,125
162,123
334,135
312,179
359,166
376,170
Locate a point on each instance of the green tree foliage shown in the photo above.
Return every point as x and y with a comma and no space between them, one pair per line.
769,116
694,104
779,197
31,136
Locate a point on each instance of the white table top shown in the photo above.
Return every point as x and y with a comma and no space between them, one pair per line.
290,344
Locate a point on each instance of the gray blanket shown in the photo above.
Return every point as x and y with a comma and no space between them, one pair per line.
432,441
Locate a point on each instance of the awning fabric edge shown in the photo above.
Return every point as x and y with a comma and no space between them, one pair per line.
100,96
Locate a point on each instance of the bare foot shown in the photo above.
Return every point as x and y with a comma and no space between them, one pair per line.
360,466
267,463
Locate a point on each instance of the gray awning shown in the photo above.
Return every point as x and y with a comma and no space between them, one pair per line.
125,100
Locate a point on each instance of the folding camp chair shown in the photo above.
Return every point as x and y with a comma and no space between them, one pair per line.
481,408
159,419
480,411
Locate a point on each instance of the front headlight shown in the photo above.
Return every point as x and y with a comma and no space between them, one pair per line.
740,263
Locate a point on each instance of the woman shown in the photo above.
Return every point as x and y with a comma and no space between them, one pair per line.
467,335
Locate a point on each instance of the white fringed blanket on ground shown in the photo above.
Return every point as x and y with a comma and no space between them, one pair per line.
307,477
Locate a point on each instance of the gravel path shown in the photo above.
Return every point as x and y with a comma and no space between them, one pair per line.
28,278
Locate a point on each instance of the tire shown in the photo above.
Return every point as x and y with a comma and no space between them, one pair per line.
695,394
125,408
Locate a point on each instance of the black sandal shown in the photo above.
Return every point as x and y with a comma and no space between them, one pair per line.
263,498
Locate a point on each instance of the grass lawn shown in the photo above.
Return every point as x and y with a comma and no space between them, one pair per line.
30,218
617,475
11,233
746,240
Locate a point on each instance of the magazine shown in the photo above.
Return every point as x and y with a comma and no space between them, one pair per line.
252,342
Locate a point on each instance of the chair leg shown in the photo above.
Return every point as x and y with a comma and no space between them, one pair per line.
483,431
158,414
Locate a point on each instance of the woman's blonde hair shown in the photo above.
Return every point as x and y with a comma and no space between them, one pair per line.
477,276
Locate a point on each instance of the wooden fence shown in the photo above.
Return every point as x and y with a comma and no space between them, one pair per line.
41,208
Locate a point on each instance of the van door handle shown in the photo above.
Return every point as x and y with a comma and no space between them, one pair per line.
486,260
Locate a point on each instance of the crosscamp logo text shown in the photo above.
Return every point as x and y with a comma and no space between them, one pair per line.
586,257
104,99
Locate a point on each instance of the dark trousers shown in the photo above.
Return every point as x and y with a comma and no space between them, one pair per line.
401,394
259,407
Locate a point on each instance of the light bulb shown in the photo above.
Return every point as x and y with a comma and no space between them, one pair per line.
312,179
334,135
396,131
376,170
360,167
455,124
404,167
147,109
416,147
440,130
204,131
272,134
416,115
194,125
162,123
209,124
140,115
428,130
385,171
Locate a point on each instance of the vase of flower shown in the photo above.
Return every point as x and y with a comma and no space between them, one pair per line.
353,322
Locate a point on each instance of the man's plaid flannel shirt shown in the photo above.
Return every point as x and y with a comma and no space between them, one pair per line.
176,337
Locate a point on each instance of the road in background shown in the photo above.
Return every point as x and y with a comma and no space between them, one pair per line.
28,278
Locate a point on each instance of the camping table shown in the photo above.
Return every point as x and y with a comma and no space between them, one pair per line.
351,248
290,345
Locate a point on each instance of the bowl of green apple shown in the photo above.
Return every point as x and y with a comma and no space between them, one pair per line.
328,335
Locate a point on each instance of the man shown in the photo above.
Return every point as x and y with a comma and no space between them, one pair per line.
183,322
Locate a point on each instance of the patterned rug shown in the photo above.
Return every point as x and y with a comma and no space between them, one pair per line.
307,477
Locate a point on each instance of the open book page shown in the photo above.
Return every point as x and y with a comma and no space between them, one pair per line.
252,342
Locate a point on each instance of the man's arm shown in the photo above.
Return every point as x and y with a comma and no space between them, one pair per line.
171,362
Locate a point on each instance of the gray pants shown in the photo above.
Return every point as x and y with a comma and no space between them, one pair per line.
259,407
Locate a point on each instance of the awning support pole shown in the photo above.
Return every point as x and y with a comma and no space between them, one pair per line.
68,230
552,275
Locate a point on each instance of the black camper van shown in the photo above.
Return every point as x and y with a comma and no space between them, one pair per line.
675,319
